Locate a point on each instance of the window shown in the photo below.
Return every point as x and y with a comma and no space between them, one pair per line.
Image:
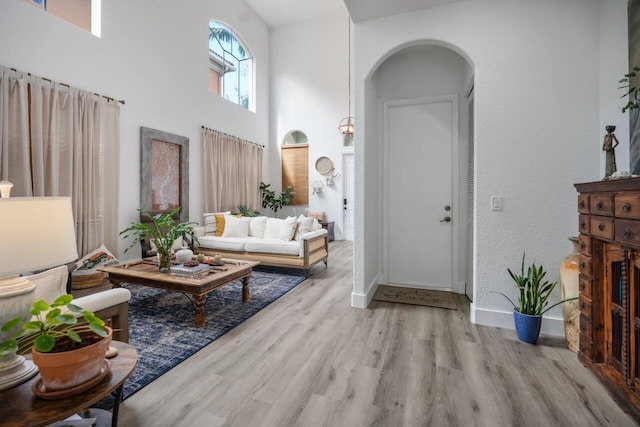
82,13
230,67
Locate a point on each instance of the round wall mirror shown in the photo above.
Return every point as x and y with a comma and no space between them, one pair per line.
295,137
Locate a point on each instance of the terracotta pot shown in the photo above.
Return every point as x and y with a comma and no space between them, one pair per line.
60,371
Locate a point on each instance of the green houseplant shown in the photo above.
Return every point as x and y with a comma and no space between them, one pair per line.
631,91
533,300
68,352
273,202
162,230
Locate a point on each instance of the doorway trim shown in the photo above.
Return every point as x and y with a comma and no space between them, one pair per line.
384,148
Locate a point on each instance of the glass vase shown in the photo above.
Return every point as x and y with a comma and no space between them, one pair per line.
164,260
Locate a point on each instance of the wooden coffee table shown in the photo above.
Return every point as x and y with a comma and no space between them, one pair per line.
146,273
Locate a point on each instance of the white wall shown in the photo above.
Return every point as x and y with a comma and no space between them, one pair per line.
309,74
537,127
154,55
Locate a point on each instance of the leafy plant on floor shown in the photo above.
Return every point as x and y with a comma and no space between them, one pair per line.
245,211
52,327
273,202
534,290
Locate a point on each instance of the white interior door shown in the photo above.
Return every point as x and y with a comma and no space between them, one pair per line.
348,173
419,193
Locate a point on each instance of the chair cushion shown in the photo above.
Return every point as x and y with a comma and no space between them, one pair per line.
272,229
236,227
50,284
258,226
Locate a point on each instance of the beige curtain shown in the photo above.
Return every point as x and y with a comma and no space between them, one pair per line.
74,151
232,172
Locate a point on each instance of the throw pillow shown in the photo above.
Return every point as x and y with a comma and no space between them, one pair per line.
272,229
219,224
209,220
304,224
177,245
288,228
89,263
317,215
258,226
236,227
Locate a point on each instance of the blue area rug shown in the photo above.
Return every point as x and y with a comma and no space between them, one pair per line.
161,322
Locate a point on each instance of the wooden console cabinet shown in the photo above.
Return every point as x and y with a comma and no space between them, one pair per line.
609,224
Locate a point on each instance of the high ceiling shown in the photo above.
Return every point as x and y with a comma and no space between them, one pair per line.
279,13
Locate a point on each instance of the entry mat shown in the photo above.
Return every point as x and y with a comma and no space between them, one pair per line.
428,297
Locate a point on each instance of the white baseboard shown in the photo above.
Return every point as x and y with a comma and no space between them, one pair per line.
363,300
504,319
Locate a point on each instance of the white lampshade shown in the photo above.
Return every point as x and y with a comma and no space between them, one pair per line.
35,233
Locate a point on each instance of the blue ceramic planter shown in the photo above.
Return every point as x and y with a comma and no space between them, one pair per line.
527,327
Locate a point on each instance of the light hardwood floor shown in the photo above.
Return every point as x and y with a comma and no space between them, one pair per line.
310,359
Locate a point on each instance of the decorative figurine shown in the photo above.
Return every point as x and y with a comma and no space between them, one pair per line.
608,145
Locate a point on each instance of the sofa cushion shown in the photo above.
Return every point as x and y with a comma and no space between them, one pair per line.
236,227
222,243
210,222
288,228
304,224
272,229
271,245
258,226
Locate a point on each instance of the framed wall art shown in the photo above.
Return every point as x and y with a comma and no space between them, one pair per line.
164,172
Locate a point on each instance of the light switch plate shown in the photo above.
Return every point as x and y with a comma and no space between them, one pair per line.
496,203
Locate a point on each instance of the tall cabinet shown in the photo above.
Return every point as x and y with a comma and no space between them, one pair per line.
609,224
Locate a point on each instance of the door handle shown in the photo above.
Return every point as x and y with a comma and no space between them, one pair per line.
446,219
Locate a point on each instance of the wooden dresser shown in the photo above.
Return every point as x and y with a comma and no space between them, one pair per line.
609,223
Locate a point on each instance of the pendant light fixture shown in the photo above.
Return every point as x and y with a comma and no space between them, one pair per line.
346,126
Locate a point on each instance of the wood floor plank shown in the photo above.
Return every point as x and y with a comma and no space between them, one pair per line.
310,359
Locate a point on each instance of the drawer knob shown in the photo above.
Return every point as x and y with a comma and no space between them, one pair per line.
626,207
583,225
581,204
583,328
583,246
627,233
582,286
582,265
583,306
600,227
599,206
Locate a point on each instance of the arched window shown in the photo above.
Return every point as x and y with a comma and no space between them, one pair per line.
230,66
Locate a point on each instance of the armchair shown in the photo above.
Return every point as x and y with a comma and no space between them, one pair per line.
111,305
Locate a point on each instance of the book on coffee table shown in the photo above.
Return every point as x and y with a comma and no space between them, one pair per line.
193,271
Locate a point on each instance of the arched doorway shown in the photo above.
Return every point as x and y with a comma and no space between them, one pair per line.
426,168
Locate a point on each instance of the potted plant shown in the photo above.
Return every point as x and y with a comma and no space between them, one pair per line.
162,230
533,300
273,202
67,352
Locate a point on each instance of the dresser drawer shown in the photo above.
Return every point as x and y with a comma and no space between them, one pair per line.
584,304
627,231
585,265
601,204
627,205
583,203
585,286
586,326
586,346
584,225
602,227
584,244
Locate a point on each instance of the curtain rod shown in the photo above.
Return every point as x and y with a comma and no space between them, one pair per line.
233,136
121,101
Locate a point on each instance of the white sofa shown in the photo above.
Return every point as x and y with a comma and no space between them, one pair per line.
293,242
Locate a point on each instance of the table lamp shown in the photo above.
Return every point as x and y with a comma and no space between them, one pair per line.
36,233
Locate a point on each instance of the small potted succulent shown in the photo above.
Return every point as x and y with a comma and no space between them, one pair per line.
67,352
162,231
533,300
